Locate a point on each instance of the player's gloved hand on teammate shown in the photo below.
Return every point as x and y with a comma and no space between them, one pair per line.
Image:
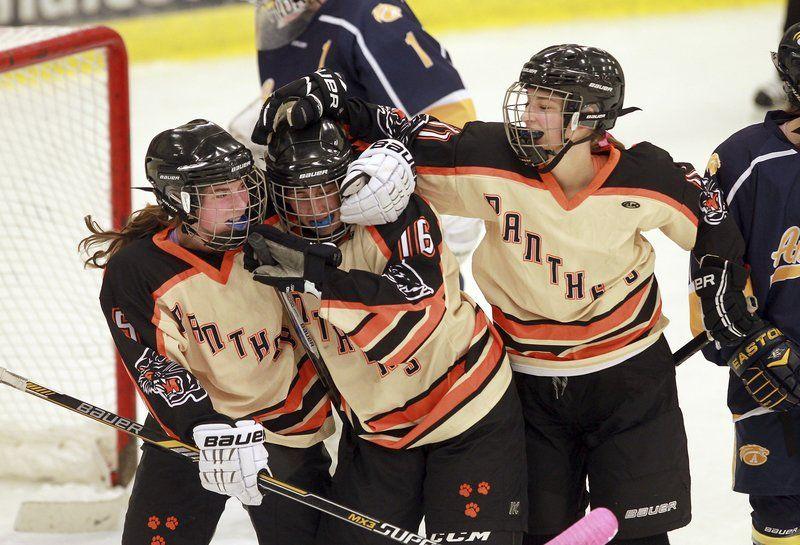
378,184
720,286
231,457
769,365
302,102
288,262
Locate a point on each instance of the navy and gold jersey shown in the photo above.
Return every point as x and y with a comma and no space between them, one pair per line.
203,342
415,360
758,171
570,280
383,53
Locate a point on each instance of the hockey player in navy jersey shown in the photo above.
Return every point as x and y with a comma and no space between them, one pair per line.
758,172
384,55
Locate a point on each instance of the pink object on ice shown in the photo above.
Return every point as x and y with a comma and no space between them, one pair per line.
597,528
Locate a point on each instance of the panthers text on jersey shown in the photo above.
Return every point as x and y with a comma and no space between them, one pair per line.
414,359
382,52
757,169
203,342
570,280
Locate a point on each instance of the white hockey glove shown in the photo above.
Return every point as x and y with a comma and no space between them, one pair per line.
378,184
230,459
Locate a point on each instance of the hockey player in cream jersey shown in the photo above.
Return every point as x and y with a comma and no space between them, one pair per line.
433,423
209,350
568,274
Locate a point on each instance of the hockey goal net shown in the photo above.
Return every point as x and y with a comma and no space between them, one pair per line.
64,153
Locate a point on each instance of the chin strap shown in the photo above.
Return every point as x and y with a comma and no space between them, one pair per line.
560,155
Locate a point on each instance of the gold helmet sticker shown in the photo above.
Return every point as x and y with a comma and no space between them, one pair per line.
386,13
713,164
753,455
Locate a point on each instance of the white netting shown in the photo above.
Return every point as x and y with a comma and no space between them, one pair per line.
54,169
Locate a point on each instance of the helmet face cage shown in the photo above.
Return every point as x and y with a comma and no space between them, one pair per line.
524,126
311,211
280,12
221,213
789,73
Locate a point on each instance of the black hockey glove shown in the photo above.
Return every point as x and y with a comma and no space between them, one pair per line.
720,285
769,365
302,102
288,262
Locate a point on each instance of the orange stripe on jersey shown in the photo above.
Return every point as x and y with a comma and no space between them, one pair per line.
157,295
456,396
596,349
434,317
599,179
161,240
573,332
504,175
294,399
650,194
376,236
422,407
435,299
374,328
313,423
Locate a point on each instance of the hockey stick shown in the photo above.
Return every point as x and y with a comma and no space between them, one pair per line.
587,531
332,258
597,528
702,339
689,349
161,440
310,346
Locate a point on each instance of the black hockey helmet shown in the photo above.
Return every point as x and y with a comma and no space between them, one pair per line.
787,61
304,169
590,82
194,170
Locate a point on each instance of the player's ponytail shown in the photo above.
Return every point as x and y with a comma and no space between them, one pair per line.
602,139
143,223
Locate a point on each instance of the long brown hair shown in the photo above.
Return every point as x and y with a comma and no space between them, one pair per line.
142,223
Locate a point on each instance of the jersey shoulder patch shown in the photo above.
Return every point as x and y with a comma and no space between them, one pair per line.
386,13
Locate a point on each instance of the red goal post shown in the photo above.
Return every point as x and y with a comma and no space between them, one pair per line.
64,153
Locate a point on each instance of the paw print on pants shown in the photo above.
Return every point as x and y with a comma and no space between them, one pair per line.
484,487
158,540
171,523
153,522
472,510
465,490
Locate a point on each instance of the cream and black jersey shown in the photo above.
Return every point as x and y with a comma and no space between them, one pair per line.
414,359
203,342
570,280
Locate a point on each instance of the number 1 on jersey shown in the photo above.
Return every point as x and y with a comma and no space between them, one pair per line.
424,57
